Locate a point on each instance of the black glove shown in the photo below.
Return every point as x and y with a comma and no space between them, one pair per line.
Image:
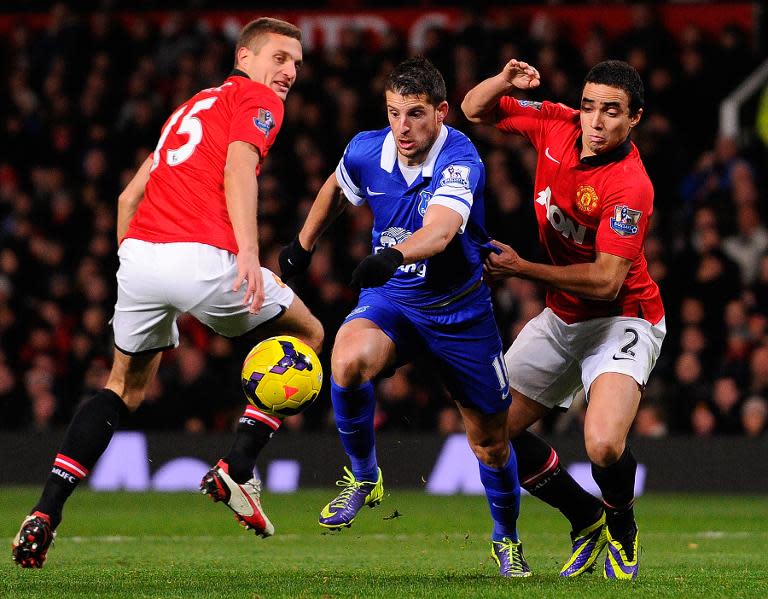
375,270
294,260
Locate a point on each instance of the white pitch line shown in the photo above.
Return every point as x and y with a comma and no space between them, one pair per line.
722,534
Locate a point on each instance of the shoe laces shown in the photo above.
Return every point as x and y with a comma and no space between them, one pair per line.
252,487
511,548
350,484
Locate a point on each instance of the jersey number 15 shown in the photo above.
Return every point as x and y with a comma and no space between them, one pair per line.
190,125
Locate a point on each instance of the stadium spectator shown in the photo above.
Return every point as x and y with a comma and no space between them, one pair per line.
750,241
649,421
754,416
758,371
703,421
688,390
726,405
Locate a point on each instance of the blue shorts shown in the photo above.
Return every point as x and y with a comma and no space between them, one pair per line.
468,351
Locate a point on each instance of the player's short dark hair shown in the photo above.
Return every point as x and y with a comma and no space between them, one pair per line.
623,75
259,28
417,76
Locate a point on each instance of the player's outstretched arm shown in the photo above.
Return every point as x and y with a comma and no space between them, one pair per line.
479,105
241,192
328,205
598,280
129,199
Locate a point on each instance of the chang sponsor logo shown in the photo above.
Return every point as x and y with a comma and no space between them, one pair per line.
394,235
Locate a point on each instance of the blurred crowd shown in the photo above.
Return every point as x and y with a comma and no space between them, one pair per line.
82,103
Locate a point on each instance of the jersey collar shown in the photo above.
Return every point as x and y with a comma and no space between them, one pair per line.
389,153
619,152
239,73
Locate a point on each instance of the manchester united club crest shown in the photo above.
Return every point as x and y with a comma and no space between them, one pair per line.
586,198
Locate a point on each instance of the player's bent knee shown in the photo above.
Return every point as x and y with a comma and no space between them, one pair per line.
300,322
604,451
516,428
133,399
315,335
494,454
348,367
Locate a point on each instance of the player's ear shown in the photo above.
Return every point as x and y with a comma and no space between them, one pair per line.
442,111
634,119
242,55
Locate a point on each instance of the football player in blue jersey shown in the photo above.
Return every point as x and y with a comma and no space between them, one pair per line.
421,292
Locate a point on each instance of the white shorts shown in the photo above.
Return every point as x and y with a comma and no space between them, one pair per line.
156,282
551,361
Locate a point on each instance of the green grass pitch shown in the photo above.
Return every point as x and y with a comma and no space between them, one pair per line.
182,545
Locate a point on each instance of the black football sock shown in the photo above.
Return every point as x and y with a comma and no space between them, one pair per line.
254,430
540,473
617,484
87,437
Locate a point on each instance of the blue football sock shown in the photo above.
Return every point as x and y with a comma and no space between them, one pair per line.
503,492
354,409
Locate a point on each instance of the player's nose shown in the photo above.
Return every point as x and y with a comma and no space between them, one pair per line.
289,68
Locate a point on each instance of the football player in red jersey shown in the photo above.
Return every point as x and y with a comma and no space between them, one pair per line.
188,238
603,326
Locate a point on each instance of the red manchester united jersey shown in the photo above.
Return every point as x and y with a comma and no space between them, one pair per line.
583,206
184,198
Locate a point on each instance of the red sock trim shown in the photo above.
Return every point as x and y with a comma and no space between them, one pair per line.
72,466
611,507
549,467
271,421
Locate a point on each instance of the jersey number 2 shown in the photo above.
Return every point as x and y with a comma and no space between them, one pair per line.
627,349
190,125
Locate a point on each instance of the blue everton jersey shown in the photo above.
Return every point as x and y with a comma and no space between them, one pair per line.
453,176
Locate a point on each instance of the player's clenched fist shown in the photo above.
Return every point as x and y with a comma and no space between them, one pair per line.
294,260
506,263
375,270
